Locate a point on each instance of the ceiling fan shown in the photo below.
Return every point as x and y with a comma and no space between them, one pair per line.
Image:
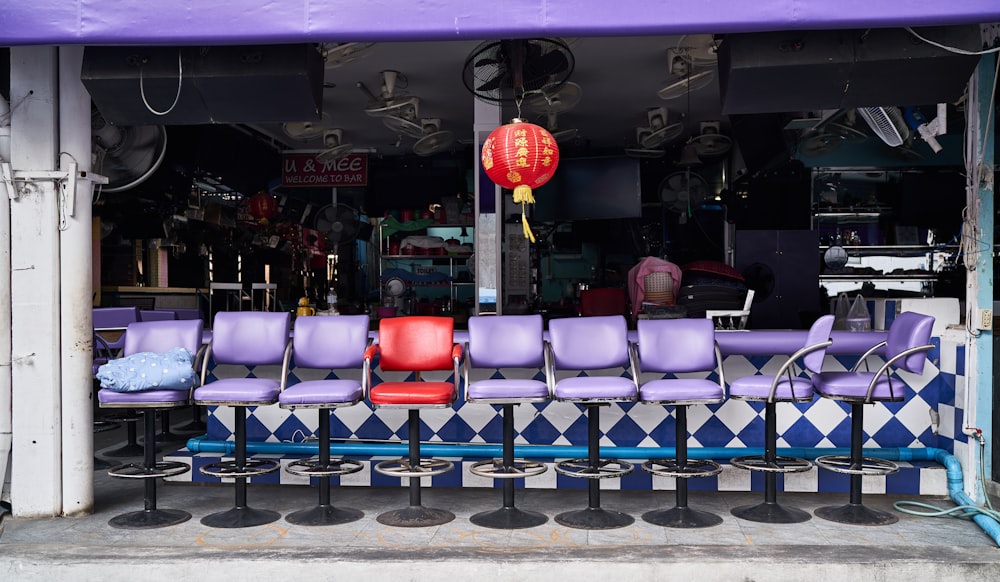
308,130
554,98
126,155
710,144
336,55
388,102
434,138
658,131
505,71
334,149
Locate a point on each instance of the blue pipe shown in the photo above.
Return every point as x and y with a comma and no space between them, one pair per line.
950,462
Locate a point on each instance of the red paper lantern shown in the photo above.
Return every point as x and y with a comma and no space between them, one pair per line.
263,206
520,156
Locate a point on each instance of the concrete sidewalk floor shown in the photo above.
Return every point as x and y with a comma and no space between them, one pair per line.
87,548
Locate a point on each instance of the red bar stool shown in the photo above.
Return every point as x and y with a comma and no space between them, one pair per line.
906,348
589,344
784,386
326,343
416,344
506,341
680,346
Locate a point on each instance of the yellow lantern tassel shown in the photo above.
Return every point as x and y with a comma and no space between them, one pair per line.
523,195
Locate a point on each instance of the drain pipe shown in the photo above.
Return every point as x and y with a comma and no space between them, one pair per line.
950,462
6,347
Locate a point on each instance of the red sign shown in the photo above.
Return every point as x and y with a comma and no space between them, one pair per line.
304,170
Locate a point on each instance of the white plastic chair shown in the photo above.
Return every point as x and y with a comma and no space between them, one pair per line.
732,318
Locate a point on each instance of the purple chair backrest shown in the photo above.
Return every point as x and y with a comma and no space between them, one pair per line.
156,315
250,337
676,345
161,336
909,330
105,317
330,342
818,333
512,341
589,343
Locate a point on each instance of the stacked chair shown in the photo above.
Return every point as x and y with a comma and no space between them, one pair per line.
326,343
679,346
784,386
588,344
415,344
506,341
142,337
244,338
905,349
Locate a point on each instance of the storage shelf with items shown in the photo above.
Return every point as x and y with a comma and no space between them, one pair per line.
425,269
864,242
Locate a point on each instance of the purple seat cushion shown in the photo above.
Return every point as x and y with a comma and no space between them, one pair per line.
320,392
759,387
165,397
507,389
854,386
236,390
688,390
595,388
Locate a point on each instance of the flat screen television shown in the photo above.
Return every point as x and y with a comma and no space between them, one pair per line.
589,189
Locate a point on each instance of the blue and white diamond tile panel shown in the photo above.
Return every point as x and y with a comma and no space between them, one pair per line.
930,416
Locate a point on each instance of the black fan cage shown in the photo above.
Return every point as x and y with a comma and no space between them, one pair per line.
491,71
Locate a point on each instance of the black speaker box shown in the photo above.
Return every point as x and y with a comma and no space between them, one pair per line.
832,69
198,85
780,71
893,67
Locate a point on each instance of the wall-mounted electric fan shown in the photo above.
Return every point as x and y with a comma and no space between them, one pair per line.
340,223
505,71
126,155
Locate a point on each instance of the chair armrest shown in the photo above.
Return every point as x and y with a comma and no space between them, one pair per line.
465,371
885,369
456,357
722,376
633,360
206,356
366,375
864,357
286,361
791,360
550,369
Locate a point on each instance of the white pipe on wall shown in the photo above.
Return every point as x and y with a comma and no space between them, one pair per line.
5,347
76,290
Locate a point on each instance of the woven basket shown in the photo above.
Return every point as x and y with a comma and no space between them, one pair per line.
659,288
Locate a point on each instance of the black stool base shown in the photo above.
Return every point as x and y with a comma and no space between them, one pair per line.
770,513
682,517
415,516
149,519
240,517
594,518
508,518
856,514
102,465
324,515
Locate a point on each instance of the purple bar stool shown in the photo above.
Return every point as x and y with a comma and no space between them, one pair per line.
326,343
587,344
906,348
244,338
159,336
784,386
110,324
680,346
506,341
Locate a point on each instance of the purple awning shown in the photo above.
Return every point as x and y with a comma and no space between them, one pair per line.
289,21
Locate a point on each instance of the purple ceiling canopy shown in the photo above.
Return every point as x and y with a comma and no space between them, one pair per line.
289,21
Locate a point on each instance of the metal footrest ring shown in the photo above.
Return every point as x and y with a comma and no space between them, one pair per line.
779,465
495,468
140,471
692,468
230,470
313,468
403,468
869,465
605,469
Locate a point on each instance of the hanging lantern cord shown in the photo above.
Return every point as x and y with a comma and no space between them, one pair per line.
523,195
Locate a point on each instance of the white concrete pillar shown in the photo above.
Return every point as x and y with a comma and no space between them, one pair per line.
36,470
76,289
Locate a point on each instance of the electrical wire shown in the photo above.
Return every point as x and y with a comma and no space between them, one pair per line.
951,49
177,97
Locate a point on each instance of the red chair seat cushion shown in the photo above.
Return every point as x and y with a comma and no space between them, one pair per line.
412,393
